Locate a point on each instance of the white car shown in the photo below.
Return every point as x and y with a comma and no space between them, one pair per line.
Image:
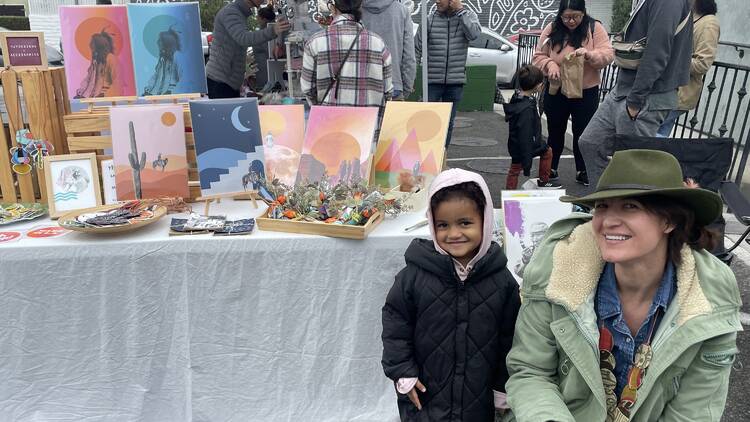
491,48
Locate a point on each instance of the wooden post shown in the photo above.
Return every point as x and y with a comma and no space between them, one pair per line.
7,185
15,122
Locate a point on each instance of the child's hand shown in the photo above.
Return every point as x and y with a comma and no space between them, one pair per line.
413,394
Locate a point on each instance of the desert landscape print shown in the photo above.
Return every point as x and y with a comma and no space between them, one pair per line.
149,154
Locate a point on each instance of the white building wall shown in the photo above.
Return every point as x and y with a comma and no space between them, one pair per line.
43,17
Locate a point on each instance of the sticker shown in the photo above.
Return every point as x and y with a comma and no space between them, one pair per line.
7,237
46,232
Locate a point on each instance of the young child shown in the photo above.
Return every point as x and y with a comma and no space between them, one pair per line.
448,320
525,131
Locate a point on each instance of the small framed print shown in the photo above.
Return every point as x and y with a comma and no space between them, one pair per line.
72,183
23,50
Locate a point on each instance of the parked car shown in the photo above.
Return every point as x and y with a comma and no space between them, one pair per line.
54,56
491,48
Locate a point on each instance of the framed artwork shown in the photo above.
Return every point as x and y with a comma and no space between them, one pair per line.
96,49
338,144
72,183
148,150
411,147
23,50
167,48
526,220
283,130
228,145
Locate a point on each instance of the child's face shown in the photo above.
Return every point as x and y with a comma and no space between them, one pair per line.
458,228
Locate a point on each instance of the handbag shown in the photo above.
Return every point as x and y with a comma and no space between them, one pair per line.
628,54
335,78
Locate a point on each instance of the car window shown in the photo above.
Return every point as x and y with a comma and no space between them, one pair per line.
486,41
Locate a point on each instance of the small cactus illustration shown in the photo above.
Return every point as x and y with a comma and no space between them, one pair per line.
135,164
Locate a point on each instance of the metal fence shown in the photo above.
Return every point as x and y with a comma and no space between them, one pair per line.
722,111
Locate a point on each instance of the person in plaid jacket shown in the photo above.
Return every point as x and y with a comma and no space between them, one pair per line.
364,76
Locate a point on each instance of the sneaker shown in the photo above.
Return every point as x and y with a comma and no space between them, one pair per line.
582,178
553,175
548,185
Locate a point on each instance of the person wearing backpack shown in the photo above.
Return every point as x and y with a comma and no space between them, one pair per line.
653,56
572,32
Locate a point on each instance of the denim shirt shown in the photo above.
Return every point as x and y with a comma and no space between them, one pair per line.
609,311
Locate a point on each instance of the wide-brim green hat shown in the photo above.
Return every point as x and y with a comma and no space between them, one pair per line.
643,172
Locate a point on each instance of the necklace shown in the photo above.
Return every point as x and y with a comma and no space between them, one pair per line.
619,410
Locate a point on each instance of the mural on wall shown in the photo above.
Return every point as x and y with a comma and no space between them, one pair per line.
506,17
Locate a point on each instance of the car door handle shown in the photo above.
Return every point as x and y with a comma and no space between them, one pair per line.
475,55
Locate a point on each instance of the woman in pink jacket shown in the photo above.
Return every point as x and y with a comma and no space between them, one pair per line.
572,32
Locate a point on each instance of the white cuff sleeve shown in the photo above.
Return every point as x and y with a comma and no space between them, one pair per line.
500,402
404,385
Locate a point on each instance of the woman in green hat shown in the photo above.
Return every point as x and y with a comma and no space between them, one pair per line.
626,316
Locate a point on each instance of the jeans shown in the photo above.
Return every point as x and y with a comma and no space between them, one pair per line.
221,90
597,142
668,124
558,108
451,93
545,164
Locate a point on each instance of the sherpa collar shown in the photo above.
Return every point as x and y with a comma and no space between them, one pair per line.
577,265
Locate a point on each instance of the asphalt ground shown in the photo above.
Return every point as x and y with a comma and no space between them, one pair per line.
480,144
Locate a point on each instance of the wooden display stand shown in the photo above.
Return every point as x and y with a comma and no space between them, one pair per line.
43,96
251,194
84,130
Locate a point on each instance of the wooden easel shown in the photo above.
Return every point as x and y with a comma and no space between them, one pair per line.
151,99
250,194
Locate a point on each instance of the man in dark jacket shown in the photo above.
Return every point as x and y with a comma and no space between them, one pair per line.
449,31
642,98
226,63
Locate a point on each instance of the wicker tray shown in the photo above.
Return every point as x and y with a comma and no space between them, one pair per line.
321,229
159,212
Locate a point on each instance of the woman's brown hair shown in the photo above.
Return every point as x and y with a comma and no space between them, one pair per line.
686,230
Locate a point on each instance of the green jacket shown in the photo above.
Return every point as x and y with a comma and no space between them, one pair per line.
554,362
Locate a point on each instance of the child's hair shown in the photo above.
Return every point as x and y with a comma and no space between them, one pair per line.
267,13
529,77
467,190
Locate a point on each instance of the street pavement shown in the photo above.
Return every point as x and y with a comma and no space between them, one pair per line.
480,144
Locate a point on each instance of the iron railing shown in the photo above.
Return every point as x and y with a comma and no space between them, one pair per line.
723,110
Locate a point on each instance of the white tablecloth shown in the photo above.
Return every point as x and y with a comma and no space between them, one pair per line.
147,327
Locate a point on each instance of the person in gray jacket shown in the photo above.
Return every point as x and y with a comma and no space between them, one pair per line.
449,31
225,69
642,98
392,21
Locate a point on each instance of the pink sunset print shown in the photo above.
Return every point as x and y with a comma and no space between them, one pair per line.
282,129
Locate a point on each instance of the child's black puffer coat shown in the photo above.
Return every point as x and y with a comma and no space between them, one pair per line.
452,335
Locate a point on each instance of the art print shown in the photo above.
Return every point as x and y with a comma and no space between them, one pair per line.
412,143
338,144
526,221
148,150
228,145
167,48
72,183
283,131
97,52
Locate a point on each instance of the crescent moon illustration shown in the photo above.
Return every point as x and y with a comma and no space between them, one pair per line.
236,120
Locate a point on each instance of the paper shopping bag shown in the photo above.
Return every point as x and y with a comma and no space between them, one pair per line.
571,76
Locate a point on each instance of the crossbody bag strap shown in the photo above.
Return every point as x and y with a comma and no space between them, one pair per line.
335,78
682,24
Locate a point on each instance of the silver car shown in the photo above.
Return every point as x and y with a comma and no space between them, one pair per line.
490,48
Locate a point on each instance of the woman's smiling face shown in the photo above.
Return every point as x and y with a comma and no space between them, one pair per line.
626,232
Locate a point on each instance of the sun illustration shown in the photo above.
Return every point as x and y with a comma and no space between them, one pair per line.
272,121
427,124
168,119
333,148
96,25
